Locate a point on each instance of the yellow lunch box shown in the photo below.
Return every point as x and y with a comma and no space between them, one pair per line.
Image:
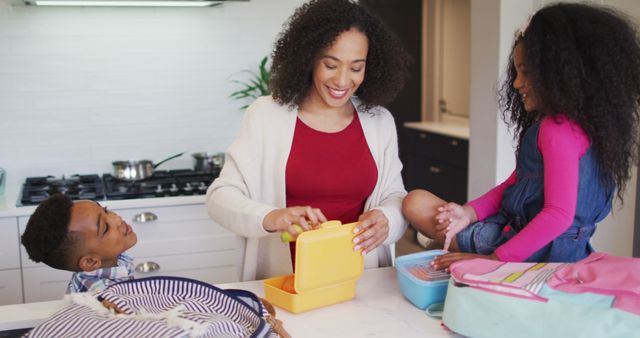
327,270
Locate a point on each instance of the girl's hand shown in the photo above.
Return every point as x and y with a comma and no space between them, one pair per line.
444,261
284,219
452,218
371,232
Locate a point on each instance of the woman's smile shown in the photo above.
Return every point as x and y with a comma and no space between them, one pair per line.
337,94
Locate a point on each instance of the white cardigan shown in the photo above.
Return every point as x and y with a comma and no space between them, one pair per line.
252,184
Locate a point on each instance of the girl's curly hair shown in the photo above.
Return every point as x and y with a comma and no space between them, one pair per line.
582,61
312,28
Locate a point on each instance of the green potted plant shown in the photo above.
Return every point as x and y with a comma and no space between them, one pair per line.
257,85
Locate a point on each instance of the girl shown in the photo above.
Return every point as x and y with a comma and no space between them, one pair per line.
572,93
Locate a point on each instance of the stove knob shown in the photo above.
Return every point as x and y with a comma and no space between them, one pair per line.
202,188
173,191
159,191
188,189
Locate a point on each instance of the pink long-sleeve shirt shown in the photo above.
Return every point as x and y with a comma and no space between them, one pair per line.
562,144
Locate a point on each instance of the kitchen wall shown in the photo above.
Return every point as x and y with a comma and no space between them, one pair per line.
81,87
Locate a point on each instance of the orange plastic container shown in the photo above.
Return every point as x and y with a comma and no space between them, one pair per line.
327,270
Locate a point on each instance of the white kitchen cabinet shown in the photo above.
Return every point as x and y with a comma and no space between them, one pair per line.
10,277
10,287
177,240
9,256
43,283
184,241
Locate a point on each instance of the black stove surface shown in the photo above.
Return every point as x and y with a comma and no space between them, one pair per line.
181,182
37,189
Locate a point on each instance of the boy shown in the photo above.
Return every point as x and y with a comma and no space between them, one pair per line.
83,237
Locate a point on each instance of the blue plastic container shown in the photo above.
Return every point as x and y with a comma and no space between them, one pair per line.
431,288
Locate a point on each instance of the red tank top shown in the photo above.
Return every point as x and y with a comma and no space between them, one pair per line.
334,172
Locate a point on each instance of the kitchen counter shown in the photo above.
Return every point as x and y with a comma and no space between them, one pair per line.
8,201
378,310
448,126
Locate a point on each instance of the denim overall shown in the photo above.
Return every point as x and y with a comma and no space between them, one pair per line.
522,201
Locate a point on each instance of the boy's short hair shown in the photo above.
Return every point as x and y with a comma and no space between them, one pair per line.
47,238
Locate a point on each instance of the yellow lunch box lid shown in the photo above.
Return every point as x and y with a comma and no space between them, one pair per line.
325,257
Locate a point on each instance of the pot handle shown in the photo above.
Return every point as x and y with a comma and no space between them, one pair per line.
167,159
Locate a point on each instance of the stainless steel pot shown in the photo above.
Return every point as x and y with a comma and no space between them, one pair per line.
134,170
207,162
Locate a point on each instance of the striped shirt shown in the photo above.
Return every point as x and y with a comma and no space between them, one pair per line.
100,279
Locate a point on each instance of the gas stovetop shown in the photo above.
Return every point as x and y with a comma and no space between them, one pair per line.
181,182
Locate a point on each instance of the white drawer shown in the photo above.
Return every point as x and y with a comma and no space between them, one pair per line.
180,237
44,283
166,214
177,230
210,267
10,287
9,240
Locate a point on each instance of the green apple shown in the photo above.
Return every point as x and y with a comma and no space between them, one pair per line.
285,236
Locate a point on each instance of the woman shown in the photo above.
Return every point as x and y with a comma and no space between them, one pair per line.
322,147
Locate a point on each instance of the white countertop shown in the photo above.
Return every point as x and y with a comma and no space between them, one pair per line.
378,310
449,126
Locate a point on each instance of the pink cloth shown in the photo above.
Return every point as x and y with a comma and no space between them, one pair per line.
524,280
603,274
562,143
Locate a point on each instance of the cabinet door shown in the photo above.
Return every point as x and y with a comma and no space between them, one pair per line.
450,150
10,277
437,163
9,239
446,182
10,287
44,283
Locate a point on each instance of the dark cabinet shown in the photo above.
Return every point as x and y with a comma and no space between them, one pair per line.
437,163
404,18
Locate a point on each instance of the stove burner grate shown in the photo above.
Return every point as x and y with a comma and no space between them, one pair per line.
181,182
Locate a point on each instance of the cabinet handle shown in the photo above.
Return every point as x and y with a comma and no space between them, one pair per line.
435,170
147,267
454,143
423,135
145,217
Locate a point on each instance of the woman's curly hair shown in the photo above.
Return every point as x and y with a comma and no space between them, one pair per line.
312,28
582,61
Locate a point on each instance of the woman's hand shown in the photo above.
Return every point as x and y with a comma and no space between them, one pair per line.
372,230
452,218
444,261
284,219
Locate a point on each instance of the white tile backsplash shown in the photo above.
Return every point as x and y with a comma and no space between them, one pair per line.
82,87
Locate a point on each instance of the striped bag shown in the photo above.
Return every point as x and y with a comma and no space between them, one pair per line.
162,307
